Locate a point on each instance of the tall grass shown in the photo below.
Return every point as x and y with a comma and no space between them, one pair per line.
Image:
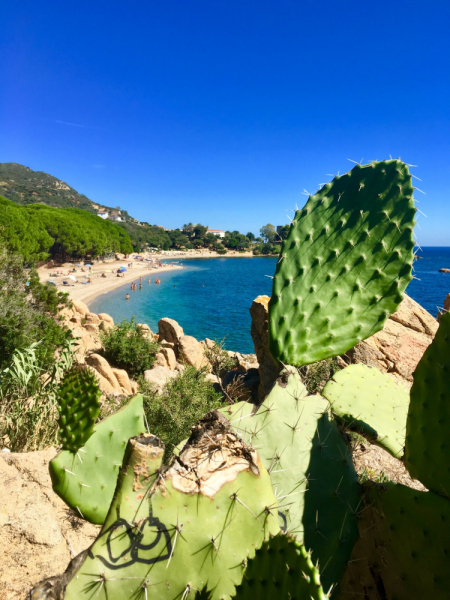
28,405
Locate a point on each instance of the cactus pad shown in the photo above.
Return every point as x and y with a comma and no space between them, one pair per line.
281,569
370,402
191,528
427,450
406,544
78,404
310,468
86,479
344,265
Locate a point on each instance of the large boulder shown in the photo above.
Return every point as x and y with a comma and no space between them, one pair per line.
268,369
106,318
400,345
169,355
101,365
169,330
159,376
39,534
80,307
192,352
123,380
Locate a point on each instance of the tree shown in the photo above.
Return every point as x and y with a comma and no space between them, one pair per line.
268,233
251,236
200,231
198,243
268,249
177,238
284,231
210,239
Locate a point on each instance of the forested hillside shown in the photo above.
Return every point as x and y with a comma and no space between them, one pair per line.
37,232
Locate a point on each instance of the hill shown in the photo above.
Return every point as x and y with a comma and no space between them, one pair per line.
25,186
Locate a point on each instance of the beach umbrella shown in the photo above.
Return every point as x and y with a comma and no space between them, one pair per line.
122,269
72,278
78,265
52,282
88,265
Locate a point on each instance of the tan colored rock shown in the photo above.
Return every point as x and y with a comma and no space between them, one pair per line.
134,387
166,344
91,327
209,344
76,319
160,360
268,369
144,327
92,318
107,318
169,330
400,345
192,352
39,534
123,380
105,325
101,365
104,384
66,312
159,376
171,359
80,307
247,361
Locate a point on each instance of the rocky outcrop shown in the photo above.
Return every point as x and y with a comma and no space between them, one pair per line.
39,534
169,355
268,369
399,346
169,330
101,366
444,270
192,352
159,376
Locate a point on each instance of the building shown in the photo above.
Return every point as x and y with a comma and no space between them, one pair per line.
103,214
217,232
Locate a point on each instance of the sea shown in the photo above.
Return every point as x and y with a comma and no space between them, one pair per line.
211,297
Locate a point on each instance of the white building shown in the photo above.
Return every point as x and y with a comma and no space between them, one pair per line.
103,214
217,232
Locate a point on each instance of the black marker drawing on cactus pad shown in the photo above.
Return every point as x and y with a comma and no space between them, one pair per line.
136,535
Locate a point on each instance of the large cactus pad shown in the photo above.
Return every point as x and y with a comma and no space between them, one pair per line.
86,479
404,547
310,468
281,569
345,264
78,405
368,401
427,449
190,528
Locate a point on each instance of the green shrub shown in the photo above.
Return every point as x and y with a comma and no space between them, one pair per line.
183,401
316,375
126,347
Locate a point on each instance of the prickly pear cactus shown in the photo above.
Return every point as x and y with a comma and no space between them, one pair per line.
86,479
189,528
427,452
281,569
370,402
345,264
310,468
404,548
78,405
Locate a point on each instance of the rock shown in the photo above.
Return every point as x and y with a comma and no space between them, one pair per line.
160,360
159,376
123,380
76,319
212,378
134,386
192,352
104,385
80,307
92,328
268,369
166,344
399,346
105,325
247,361
106,318
101,365
169,330
444,270
66,312
92,318
170,357
39,534
209,344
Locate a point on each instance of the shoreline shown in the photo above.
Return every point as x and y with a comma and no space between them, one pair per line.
87,293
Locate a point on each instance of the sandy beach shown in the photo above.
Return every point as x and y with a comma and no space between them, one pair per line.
100,285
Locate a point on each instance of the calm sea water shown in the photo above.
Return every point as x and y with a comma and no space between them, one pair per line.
211,297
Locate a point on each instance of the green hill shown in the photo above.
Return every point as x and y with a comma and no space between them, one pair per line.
24,186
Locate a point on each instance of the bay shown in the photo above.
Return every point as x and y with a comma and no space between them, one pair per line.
211,297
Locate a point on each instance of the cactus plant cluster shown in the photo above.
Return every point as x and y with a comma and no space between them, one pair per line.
259,494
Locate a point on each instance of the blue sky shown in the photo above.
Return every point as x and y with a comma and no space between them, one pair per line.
223,112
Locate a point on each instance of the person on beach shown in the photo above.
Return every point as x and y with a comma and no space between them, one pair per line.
131,286
140,286
127,297
150,280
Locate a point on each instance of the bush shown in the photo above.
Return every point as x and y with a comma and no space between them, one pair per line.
126,347
185,399
221,250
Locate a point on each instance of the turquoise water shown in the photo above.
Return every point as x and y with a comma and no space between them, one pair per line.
211,297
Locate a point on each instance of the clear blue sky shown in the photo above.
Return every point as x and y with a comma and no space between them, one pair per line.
222,112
